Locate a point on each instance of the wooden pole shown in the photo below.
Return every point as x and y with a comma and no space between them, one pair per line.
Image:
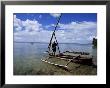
57,44
54,32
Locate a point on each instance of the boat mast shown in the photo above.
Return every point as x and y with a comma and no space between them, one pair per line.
53,35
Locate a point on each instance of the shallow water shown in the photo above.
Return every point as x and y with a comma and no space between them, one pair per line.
27,59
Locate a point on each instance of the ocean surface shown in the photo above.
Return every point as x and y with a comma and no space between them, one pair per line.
27,59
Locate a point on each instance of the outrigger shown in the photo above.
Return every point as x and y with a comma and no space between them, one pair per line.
83,58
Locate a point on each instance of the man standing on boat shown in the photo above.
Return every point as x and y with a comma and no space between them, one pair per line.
54,44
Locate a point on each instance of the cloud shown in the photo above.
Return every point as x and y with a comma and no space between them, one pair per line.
51,25
78,25
55,14
80,32
73,32
17,24
40,16
35,36
76,32
28,25
32,25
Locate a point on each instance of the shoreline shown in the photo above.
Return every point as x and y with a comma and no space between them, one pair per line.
47,69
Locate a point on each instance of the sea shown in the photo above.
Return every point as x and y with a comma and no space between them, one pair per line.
27,59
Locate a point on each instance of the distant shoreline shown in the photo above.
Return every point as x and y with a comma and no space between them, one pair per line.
48,43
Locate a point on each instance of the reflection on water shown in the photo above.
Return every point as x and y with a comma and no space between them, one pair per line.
27,59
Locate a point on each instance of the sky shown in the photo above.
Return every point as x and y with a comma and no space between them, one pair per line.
38,27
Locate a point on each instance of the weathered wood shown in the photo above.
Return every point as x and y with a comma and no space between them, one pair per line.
53,34
70,57
76,58
61,66
82,53
68,62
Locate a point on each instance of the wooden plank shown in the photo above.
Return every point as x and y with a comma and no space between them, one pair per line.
61,66
68,62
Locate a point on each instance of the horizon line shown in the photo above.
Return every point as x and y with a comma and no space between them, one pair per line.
48,43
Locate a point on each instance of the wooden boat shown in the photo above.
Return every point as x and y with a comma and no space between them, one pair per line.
76,57
71,57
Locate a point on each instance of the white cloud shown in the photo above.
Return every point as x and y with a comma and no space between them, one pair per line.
17,24
77,32
40,16
51,25
31,25
74,32
36,36
55,14
78,25
28,25
80,32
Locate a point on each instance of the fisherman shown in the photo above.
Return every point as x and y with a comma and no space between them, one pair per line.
54,44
